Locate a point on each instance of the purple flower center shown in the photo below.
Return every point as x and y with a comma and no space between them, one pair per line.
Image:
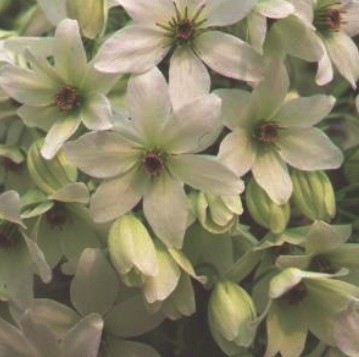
153,163
267,132
68,99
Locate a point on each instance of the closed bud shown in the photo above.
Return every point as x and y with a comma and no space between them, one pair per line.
49,175
90,14
264,211
313,194
231,317
217,214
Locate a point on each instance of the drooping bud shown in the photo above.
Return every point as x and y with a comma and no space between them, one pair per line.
264,211
217,214
90,14
231,316
49,175
313,194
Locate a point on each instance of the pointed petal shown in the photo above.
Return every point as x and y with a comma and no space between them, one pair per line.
309,149
305,112
350,16
205,173
10,205
188,77
274,9
58,134
237,152
325,71
101,154
166,209
257,30
55,10
272,175
193,127
229,56
134,49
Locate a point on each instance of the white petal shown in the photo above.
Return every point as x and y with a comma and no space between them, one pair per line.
236,107
305,112
229,56
58,134
54,10
237,152
205,173
100,82
133,49
26,86
350,16
40,117
226,12
101,155
166,209
114,198
149,102
272,175
188,77
257,30
274,9
69,52
325,71
145,11
96,112
194,127
345,56
10,207
309,149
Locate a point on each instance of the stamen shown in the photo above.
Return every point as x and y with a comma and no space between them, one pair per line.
329,18
68,99
153,162
295,295
267,132
57,216
323,265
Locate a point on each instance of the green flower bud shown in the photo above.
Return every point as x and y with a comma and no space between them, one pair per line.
49,175
264,211
313,194
231,316
217,214
90,14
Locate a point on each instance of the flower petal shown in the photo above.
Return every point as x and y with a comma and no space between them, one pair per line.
54,10
96,112
237,152
272,175
101,154
305,112
350,13
229,56
58,134
134,49
205,173
257,30
309,149
194,127
166,206
274,9
188,77
325,71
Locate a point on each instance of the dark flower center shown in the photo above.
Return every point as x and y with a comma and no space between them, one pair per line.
182,27
267,132
8,235
328,19
68,99
323,265
10,165
295,295
153,162
57,215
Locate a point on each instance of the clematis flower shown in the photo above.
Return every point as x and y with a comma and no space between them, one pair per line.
268,132
302,302
324,27
152,155
188,27
58,98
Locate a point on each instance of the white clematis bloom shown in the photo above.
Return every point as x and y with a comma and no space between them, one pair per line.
188,26
151,156
268,132
58,98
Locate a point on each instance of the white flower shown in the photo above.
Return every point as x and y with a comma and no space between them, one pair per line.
58,98
186,26
152,155
267,133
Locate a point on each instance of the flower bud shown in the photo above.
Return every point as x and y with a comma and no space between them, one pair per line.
49,175
90,14
264,211
231,316
131,249
217,214
313,194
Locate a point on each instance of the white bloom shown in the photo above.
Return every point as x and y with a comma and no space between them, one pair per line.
186,26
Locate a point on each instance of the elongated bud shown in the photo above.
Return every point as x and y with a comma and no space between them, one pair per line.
90,14
264,211
313,194
131,249
231,316
217,214
49,175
